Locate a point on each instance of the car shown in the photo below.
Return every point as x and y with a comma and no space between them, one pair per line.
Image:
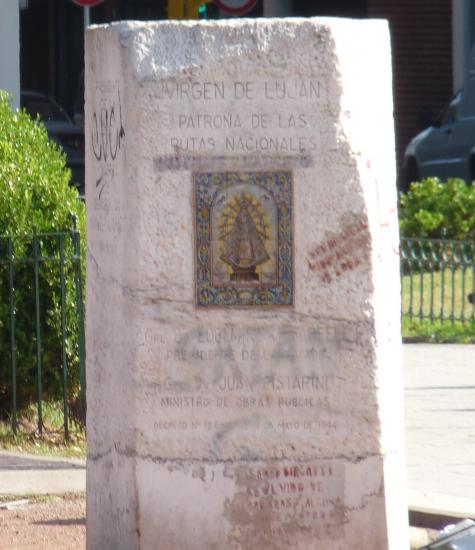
447,148
61,129
460,536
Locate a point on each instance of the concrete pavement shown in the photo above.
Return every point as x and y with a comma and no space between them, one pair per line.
22,474
440,428
440,438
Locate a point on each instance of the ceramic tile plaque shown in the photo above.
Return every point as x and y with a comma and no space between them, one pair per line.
243,252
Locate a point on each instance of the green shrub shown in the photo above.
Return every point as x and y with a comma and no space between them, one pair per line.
35,195
433,209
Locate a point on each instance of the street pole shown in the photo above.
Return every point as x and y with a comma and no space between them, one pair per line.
87,17
277,8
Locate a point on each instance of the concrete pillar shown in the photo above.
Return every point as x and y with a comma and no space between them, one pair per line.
10,49
243,288
462,39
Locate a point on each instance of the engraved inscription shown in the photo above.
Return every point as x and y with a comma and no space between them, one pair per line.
210,116
210,91
221,384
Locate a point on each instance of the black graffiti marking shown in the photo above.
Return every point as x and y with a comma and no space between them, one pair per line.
117,140
107,133
107,175
102,188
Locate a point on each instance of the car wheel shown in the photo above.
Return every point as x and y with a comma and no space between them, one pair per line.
410,174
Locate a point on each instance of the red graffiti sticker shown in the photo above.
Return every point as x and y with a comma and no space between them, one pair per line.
341,252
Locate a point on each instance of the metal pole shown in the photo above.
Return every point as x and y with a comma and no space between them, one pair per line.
87,17
64,337
12,334
36,266
80,309
277,8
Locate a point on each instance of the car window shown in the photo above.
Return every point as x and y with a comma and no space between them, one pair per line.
467,106
45,108
448,114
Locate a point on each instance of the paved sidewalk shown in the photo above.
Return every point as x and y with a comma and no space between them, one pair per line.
22,474
440,428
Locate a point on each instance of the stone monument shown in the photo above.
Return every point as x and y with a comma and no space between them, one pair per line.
244,377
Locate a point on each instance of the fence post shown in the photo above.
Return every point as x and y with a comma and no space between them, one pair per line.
453,268
463,269
80,310
472,256
442,280
38,328
12,332
431,265
64,337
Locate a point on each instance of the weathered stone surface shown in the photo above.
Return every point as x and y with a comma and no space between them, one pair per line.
243,290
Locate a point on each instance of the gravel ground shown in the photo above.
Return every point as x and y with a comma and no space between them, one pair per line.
55,524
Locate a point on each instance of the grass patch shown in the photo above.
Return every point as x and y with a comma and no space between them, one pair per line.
436,307
43,499
438,332
32,498
439,295
51,442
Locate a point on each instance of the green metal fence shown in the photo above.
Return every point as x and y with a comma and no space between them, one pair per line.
438,279
42,343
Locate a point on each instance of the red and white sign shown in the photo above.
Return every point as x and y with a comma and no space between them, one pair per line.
236,7
88,3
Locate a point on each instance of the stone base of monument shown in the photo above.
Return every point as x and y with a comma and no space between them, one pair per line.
281,504
244,377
